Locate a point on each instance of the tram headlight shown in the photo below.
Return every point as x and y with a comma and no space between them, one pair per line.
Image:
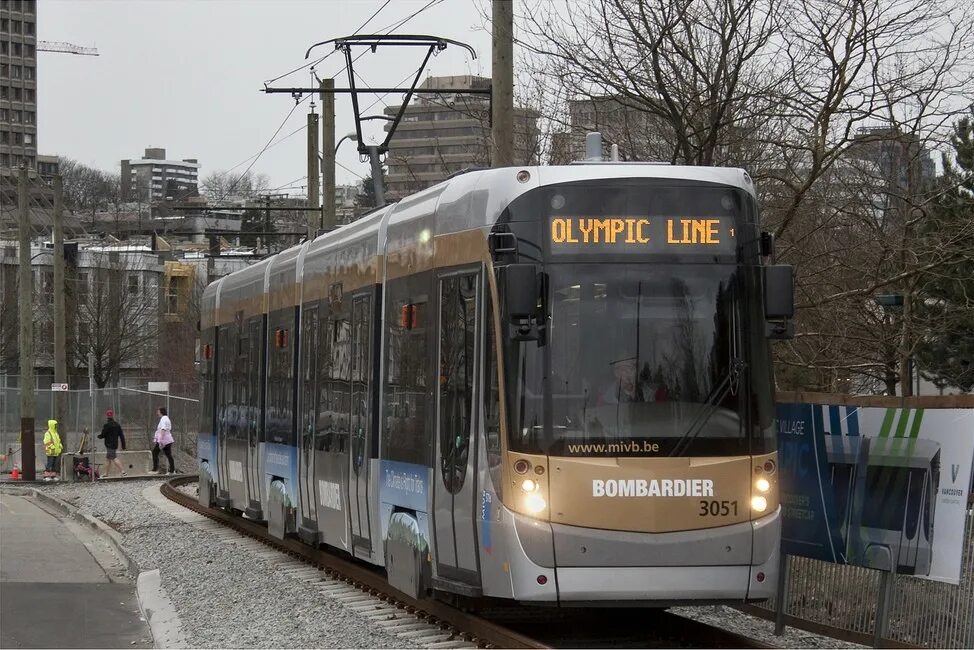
529,486
762,484
759,504
535,503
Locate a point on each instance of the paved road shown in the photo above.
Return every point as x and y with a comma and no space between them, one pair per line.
53,592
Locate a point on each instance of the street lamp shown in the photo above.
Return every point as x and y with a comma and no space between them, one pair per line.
347,136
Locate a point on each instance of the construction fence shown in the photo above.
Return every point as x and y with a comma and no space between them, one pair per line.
134,409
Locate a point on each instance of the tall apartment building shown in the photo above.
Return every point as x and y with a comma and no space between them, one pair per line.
639,135
154,178
443,134
18,85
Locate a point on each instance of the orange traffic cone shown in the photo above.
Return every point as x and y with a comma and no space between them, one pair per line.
14,474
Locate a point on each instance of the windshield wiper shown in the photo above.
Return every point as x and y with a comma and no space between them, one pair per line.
730,384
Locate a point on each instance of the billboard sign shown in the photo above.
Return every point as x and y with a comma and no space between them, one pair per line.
877,487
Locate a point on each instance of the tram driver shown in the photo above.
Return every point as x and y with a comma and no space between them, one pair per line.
629,385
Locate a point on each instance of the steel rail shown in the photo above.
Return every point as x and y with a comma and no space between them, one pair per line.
583,626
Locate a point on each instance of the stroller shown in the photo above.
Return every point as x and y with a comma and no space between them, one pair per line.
83,471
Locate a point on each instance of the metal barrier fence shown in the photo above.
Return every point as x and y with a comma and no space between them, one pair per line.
842,601
135,410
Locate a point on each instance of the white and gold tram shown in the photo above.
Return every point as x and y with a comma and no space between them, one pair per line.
545,384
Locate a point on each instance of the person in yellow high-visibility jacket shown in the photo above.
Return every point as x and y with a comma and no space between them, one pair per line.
52,449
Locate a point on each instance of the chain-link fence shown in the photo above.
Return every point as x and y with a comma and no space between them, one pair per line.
841,601
134,409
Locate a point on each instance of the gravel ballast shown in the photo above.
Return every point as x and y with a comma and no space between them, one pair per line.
225,596
753,627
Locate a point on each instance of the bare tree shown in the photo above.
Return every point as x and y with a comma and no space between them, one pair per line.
223,185
86,189
832,105
116,300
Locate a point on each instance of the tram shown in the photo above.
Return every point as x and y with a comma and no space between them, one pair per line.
550,385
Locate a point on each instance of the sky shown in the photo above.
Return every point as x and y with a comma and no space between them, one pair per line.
186,75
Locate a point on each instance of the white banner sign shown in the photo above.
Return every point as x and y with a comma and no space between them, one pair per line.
158,386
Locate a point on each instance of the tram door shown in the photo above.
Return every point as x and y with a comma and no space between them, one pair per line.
224,382
308,496
361,423
331,434
252,411
454,470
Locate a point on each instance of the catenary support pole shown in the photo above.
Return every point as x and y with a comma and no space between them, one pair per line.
380,192
312,172
25,284
60,354
502,83
328,220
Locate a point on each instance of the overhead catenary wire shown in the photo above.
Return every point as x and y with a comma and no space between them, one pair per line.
261,152
322,58
388,29
312,65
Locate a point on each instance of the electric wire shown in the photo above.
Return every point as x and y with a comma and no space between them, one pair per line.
312,64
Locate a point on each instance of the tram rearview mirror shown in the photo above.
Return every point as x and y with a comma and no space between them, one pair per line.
519,282
779,296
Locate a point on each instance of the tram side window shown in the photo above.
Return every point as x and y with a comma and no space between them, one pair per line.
405,431
309,355
334,376
281,383
361,377
492,405
242,397
206,384
458,323
225,358
253,378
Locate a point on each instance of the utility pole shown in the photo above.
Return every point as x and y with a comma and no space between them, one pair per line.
267,221
502,83
26,338
312,172
60,355
328,153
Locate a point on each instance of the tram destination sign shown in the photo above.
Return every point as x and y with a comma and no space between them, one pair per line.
570,235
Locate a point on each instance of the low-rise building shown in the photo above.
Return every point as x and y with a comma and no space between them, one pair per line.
154,177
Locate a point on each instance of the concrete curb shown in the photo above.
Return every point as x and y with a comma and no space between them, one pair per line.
112,536
158,610
154,603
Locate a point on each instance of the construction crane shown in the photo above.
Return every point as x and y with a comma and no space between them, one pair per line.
65,48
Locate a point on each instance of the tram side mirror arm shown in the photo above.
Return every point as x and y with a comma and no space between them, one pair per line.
521,287
779,300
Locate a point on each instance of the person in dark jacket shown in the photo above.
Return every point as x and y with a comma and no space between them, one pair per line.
111,432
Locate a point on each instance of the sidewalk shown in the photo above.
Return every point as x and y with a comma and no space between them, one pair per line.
54,593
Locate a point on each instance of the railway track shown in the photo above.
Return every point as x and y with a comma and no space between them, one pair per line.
497,627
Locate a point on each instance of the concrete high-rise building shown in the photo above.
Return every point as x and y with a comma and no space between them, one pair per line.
18,85
442,134
154,178
639,135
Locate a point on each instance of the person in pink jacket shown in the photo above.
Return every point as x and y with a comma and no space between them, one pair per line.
163,440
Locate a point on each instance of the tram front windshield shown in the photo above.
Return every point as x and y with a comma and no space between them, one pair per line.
640,360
